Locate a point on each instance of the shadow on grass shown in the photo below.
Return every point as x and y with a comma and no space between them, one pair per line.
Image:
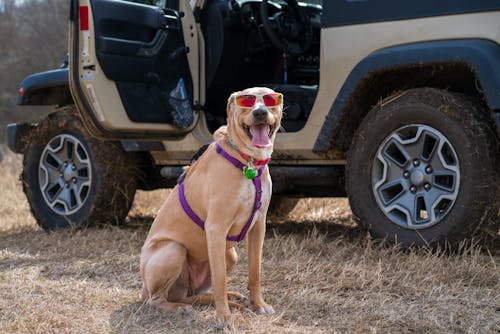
111,253
330,230
102,254
137,317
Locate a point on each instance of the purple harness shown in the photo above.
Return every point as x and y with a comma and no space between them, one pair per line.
257,202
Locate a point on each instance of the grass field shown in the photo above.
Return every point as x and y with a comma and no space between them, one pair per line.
321,273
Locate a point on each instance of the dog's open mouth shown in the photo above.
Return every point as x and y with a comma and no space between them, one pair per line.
260,134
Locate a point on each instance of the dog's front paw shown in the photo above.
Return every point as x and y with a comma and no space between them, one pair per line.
185,309
223,315
266,309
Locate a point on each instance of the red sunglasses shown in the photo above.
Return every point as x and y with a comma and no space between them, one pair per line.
248,100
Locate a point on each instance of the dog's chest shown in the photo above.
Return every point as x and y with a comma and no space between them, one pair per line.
245,203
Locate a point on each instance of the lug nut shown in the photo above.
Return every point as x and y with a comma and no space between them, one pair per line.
427,186
406,174
416,162
413,189
74,179
73,167
428,169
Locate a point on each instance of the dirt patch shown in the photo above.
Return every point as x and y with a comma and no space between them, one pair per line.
321,273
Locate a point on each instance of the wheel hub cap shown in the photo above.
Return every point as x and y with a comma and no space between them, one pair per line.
69,172
417,178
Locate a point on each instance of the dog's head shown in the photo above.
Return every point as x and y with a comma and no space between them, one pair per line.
253,118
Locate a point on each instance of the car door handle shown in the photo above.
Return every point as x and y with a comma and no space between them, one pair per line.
171,19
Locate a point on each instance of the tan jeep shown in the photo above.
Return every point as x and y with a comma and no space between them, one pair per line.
394,104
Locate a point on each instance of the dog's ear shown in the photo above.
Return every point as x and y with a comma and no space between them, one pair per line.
221,133
230,101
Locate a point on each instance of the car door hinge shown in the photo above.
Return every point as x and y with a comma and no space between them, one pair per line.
198,107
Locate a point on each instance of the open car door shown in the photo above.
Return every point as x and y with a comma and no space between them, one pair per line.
134,67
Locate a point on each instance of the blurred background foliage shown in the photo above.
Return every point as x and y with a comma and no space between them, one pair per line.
33,38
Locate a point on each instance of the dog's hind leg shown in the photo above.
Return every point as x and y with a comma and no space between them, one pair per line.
231,261
161,266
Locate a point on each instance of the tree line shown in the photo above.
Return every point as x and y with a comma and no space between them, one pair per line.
33,38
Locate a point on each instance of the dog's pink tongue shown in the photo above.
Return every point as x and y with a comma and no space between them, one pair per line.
260,135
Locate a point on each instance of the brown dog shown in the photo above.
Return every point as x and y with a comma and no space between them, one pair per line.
190,246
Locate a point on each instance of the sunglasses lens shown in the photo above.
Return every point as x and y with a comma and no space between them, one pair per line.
246,101
272,100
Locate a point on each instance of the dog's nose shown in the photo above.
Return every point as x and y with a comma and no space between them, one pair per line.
260,114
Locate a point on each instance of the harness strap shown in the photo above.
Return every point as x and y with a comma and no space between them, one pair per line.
257,201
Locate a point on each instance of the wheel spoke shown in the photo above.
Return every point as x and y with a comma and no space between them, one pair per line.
430,143
442,206
70,149
74,197
54,191
52,161
53,175
83,174
391,191
447,156
81,155
419,210
400,211
445,180
396,152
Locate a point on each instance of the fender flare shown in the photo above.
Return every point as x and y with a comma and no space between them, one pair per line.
45,88
481,55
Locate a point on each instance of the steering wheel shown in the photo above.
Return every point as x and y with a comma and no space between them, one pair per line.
289,30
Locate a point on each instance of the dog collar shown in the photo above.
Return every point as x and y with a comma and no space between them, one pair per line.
249,170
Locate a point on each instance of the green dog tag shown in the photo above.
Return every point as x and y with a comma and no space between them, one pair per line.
249,172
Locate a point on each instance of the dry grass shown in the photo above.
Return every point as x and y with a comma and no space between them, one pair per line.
321,273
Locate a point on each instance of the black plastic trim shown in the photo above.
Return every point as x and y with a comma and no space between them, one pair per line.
297,181
37,86
309,181
482,56
346,12
142,146
17,136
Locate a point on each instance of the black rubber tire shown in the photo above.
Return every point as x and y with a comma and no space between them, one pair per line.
470,129
113,183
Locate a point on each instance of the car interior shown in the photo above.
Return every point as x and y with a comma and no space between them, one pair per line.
262,43
247,43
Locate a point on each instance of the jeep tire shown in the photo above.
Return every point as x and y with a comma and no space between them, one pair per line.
422,168
73,179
